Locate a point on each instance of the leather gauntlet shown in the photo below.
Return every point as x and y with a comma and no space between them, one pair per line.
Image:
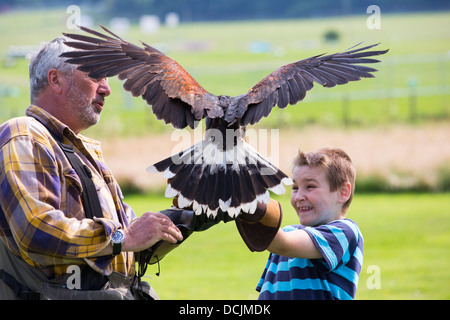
260,228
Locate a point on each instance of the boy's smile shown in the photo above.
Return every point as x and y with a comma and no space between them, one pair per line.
312,199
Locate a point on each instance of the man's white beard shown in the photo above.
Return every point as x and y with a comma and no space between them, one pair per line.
83,108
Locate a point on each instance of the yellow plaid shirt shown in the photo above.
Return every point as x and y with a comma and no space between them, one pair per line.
41,215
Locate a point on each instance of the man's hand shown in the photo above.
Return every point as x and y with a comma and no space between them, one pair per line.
147,230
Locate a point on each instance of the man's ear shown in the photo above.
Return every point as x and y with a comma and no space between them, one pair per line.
345,192
54,79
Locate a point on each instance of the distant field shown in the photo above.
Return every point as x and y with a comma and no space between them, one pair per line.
221,56
411,88
396,158
406,246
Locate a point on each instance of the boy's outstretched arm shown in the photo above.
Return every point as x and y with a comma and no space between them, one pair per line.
261,231
294,244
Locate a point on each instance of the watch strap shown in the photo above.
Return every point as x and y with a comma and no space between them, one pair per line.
117,248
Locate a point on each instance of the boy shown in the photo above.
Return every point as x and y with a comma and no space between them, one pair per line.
322,257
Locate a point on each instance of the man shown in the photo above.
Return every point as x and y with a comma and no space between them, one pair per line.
44,230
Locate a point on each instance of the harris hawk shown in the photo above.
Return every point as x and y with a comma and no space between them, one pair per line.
221,172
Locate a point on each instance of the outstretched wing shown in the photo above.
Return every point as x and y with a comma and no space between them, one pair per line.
173,94
289,84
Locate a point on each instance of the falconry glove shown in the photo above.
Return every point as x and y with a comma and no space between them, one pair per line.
185,220
260,228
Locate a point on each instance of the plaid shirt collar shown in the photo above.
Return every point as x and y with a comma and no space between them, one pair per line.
60,130
57,127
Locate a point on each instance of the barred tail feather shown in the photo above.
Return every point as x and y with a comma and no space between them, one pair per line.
209,179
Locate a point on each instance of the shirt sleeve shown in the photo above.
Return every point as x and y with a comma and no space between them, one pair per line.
30,201
336,241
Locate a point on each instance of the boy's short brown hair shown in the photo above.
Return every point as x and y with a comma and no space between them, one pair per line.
337,164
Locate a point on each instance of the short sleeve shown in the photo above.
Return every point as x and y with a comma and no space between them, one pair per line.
336,241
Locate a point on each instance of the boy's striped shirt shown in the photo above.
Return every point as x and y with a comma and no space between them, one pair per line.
333,277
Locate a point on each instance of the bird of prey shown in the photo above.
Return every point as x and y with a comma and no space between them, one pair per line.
222,172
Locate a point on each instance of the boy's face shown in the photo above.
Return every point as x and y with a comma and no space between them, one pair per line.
312,199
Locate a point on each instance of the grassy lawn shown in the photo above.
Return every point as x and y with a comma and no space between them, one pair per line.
406,249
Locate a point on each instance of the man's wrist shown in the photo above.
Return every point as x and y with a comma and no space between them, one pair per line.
117,241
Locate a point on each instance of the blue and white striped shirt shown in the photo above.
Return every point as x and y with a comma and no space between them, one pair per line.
333,277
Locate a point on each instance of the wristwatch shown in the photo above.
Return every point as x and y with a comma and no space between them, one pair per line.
116,241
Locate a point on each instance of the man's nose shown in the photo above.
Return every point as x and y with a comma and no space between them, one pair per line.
104,88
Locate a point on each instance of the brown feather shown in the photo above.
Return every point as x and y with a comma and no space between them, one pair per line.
108,56
291,82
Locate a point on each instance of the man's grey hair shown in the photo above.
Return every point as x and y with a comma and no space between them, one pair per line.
47,57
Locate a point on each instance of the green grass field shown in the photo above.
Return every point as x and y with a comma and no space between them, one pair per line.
406,239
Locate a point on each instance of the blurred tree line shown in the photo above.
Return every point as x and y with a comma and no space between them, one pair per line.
204,10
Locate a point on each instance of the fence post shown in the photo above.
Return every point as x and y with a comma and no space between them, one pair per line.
346,109
412,84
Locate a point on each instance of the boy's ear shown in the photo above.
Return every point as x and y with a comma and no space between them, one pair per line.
345,192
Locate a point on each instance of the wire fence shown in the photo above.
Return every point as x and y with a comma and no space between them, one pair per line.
420,80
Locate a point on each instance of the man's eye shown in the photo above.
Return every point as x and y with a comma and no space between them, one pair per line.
99,79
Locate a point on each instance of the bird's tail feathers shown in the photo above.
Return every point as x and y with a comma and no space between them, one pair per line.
208,179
